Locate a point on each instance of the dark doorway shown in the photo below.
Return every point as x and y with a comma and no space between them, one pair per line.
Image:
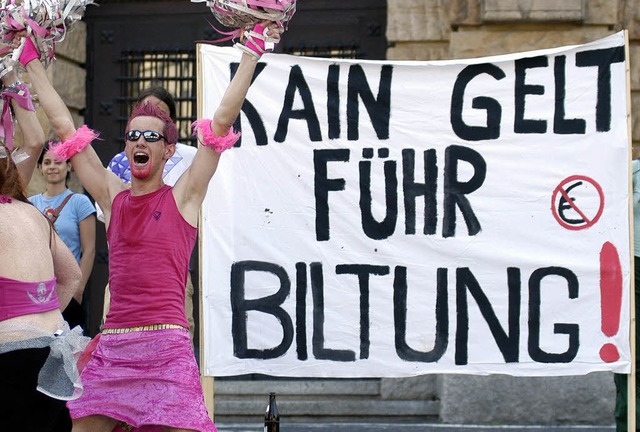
132,44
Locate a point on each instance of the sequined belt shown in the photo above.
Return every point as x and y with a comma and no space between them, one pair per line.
151,327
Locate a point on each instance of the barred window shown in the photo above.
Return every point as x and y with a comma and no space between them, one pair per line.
175,71
351,51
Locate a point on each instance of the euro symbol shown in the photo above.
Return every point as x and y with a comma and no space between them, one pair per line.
563,206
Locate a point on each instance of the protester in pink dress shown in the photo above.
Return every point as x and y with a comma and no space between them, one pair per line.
142,373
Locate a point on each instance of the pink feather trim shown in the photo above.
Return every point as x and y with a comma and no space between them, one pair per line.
66,149
209,139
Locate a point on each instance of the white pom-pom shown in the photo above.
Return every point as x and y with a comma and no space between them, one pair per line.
244,14
46,21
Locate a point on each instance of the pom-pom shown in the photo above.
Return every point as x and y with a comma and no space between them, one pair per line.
209,139
20,93
242,15
7,62
66,149
19,156
45,21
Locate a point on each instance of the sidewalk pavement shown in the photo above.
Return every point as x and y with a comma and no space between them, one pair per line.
405,427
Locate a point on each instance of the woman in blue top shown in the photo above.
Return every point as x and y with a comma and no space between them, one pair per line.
74,221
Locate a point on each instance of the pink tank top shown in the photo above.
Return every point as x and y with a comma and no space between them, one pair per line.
150,244
19,298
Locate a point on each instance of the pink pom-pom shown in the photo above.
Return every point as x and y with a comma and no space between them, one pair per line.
243,14
209,139
66,149
20,93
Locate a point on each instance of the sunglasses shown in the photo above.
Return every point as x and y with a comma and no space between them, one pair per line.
149,136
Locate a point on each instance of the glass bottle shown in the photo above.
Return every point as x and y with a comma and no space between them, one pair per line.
271,416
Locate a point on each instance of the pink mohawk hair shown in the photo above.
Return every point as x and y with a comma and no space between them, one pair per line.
146,109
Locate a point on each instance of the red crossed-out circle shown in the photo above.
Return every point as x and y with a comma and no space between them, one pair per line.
560,189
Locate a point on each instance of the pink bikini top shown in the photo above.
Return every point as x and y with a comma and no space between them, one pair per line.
19,298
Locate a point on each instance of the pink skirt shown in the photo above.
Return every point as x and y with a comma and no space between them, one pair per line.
145,379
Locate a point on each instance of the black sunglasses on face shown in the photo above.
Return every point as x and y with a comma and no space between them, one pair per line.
149,136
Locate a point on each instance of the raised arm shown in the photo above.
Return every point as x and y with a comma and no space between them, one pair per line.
25,115
100,183
216,135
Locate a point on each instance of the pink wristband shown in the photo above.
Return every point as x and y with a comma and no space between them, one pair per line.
66,149
29,52
256,44
209,139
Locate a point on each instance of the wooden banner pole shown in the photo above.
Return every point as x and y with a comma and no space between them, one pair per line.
631,380
207,381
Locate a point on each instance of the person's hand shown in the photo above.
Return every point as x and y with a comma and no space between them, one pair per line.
262,38
17,38
274,30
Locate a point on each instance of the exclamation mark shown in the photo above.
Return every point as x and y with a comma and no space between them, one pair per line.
611,298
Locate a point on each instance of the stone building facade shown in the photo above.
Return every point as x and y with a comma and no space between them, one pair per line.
453,29
448,29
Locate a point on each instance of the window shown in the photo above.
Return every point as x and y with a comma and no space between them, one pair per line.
343,51
175,71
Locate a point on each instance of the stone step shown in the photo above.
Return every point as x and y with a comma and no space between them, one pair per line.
298,387
323,408
327,410
322,399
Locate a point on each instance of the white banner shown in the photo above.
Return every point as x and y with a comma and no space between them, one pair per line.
388,219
